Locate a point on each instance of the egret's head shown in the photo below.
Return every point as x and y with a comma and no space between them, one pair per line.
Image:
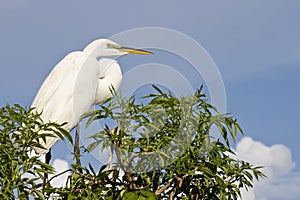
104,48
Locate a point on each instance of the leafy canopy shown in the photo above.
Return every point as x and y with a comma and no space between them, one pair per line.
162,149
22,175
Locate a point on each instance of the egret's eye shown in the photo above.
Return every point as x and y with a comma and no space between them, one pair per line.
112,46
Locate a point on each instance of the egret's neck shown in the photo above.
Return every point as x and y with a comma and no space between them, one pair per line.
109,75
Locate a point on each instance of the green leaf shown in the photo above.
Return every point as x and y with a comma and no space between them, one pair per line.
157,89
130,196
40,194
147,195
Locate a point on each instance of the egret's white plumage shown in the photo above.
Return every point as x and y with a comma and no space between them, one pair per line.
77,82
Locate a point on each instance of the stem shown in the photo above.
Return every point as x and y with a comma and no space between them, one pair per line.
68,170
47,160
163,188
77,147
111,153
132,157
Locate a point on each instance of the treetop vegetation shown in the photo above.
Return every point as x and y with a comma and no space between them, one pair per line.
161,149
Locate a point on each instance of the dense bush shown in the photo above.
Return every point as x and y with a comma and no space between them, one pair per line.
161,149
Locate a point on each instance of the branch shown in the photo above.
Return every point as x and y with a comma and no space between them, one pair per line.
132,185
180,182
84,176
93,181
68,170
163,188
102,181
133,156
55,176
172,193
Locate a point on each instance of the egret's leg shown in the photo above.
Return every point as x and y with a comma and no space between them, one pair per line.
48,156
47,160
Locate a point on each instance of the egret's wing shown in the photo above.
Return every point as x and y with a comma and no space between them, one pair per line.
60,96
54,80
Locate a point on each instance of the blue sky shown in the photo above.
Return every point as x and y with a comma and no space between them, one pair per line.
255,45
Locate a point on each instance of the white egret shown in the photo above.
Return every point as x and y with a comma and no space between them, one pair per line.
78,81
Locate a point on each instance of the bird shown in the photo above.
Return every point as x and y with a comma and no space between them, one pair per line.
80,80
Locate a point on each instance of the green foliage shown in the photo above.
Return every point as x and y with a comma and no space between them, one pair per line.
21,175
165,148
161,149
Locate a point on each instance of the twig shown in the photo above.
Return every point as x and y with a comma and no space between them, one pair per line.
163,188
133,156
68,170
140,154
111,153
77,147
132,185
172,193
115,145
180,182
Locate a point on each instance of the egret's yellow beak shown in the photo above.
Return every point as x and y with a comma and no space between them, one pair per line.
134,51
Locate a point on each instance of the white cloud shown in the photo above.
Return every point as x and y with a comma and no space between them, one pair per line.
282,182
60,166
